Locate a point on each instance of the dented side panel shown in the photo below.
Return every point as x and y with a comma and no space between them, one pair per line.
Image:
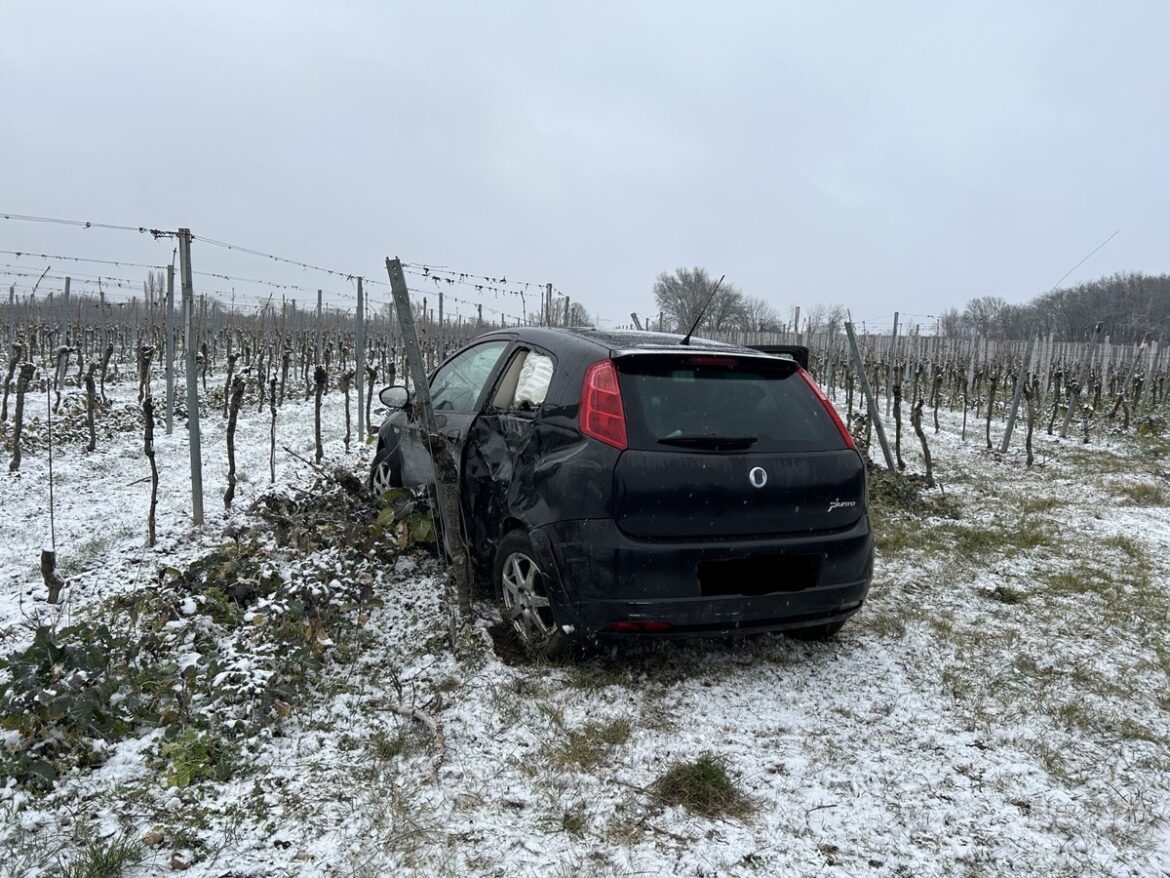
529,471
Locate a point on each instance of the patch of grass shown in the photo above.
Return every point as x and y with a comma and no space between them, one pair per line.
1142,494
1031,504
943,626
891,493
384,747
624,829
896,535
573,820
1134,731
88,554
26,852
1086,579
589,746
1076,715
1005,594
555,714
883,622
978,541
1095,459
703,786
103,859
1127,546
636,664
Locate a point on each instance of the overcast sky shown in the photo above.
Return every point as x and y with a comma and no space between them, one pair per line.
885,156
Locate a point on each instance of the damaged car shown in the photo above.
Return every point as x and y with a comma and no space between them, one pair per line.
622,484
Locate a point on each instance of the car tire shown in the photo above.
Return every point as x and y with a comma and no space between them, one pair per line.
816,632
523,593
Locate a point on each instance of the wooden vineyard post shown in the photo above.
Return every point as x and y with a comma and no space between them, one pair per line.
272,432
371,376
237,397
16,360
916,423
1075,396
993,383
148,450
870,402
1021,381
192,378
106,354
343,386
446,472
320,377
23,380
1127,382
90,405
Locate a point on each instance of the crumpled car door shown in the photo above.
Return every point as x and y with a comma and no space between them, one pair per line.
503,452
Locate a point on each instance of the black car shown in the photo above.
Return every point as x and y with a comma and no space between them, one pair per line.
624,483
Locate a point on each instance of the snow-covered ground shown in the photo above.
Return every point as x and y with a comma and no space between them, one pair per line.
998,707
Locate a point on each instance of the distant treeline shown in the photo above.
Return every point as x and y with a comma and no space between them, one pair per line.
1129,305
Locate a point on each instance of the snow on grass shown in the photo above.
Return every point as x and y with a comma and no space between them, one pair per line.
998,707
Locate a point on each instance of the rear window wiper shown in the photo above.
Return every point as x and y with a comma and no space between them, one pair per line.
709,440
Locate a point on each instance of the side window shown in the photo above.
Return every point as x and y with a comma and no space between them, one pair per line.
524,385
457,386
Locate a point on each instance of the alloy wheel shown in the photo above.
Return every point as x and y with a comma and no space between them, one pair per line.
525,601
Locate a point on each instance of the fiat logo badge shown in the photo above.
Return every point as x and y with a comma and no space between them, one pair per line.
758,476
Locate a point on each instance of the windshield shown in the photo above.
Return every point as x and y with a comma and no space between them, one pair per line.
720,403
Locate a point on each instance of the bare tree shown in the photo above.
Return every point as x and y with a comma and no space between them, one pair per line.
681,294
759,315
951,323
579,315
828,319
981,316
154,288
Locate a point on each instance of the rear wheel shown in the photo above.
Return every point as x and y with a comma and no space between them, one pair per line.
523,591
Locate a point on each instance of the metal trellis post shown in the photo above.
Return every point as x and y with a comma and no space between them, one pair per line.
170,348
359,343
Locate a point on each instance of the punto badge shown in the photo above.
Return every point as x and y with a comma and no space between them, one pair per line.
758,476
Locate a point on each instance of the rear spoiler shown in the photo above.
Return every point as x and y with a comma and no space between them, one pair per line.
796,352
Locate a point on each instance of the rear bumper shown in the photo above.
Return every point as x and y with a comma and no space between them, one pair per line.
597,577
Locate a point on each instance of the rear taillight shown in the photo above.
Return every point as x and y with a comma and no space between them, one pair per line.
601,415
844,431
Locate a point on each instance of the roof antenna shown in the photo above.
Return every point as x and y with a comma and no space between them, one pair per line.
687,338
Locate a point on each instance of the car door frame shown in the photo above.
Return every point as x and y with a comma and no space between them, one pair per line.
505,495
417,465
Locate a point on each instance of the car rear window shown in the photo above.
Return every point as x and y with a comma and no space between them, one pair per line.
722,403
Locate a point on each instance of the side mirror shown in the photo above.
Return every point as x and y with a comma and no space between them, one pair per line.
394,397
